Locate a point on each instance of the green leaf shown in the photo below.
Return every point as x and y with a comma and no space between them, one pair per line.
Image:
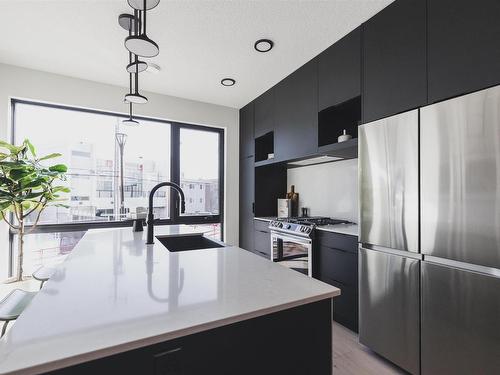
4,205
17,174
61,168
34,195
63,189
50,156
30,147
13,149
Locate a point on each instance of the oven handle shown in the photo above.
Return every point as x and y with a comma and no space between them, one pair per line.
301,240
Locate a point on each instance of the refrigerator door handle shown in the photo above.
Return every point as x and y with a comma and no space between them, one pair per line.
462,265
387,250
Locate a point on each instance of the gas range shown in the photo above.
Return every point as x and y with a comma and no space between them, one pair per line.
292,241
302,226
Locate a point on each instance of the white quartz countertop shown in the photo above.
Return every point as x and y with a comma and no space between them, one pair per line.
115,293
350,229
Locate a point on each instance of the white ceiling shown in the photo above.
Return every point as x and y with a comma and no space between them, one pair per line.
201,41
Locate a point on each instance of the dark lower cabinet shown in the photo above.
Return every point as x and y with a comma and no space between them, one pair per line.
247,181
394,59
463,52
262,239
296,341
335,261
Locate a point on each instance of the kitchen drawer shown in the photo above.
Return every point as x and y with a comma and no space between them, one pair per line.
345,306
337,265
262,242
261,225
337,241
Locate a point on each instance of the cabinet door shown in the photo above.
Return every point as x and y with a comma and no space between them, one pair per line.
246,131
394,60
460,321
463,39
264,113
247,183
339,71
296,114
262,243
339,268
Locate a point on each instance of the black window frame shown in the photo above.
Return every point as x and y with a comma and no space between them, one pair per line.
175,217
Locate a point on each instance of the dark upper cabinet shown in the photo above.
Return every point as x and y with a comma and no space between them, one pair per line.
247,182
394,59
264,113
296,113
339,71
246,131
463,46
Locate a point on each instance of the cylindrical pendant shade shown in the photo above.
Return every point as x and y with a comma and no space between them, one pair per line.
128,22
141,45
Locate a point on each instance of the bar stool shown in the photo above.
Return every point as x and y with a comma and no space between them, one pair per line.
13,305
43,274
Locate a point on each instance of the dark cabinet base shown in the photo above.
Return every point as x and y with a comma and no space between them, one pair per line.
293,341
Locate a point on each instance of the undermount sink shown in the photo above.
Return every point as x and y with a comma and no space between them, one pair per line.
188,242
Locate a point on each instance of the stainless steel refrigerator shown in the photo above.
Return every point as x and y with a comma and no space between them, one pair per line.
389,259
460,234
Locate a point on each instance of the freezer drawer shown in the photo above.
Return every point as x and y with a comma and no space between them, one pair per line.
460,321
388,182
389,307
460,169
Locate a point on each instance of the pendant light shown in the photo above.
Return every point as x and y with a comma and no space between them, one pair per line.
136,66
140,44
135,97
130,121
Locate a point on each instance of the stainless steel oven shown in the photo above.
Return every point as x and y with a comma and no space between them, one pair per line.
292,250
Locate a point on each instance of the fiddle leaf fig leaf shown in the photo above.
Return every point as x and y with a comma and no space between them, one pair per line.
30,147
50,156
61,168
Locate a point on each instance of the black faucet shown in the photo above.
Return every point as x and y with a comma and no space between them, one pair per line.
151,218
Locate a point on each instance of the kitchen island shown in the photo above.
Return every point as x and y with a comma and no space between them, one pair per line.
117,305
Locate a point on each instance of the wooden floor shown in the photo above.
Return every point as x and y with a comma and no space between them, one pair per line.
352,358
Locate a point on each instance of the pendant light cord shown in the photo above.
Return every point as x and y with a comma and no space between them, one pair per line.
144,19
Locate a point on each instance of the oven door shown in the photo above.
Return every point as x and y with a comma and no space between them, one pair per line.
292,251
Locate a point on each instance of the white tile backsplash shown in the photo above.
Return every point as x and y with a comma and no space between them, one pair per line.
329,189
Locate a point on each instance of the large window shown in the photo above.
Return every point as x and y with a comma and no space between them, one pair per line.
96,147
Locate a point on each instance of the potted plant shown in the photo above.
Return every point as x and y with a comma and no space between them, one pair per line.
27,187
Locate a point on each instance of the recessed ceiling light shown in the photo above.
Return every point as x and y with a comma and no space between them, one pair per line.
227,82
153,68
263,45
